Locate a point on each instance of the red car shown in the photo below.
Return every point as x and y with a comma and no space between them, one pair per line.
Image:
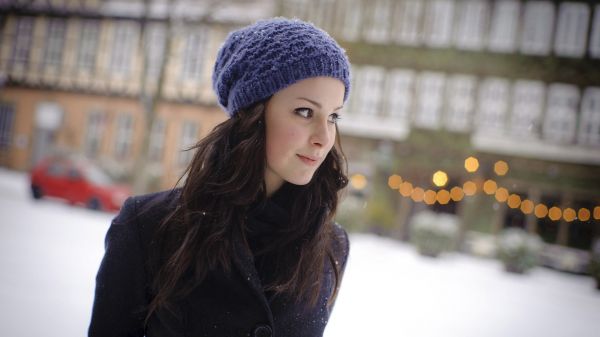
78,182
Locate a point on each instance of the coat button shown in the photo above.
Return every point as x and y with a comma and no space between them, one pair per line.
262,330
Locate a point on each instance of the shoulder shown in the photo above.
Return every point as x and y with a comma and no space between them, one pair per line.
148,209
141,215
148,206
341,243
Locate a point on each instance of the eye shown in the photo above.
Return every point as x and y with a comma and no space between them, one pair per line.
304,112
334,118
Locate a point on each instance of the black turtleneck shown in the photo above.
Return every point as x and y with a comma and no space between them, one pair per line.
266,222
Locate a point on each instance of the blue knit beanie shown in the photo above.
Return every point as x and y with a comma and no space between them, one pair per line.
256,61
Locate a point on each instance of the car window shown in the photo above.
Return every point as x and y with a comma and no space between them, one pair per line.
97,176
74,173
56,169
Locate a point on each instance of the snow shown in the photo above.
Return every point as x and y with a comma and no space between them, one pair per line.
389,290
50,252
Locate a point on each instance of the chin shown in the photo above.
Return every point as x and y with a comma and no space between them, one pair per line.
300,181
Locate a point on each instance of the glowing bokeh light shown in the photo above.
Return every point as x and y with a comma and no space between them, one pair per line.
569,214
490,187
514,201
554,213
501,167
456,193
469,188
394,181
443,197
429,197
471,164
527,206
358,181
440,178
501,194
405,189
540,210
583,214
417,194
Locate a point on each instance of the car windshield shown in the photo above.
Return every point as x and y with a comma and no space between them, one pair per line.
97,176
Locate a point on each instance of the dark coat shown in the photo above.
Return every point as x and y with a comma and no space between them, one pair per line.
224,304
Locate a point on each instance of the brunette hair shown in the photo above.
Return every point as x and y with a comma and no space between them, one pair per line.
225,177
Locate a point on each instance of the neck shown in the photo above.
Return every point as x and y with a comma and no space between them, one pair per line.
272,183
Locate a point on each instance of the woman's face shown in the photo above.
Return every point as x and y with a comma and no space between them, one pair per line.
300,129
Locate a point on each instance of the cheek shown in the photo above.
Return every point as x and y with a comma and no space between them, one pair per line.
333,138
279,144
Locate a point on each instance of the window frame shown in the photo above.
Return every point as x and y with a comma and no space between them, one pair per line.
188,137
124,135
89,39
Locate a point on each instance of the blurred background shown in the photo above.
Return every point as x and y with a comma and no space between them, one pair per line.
472,134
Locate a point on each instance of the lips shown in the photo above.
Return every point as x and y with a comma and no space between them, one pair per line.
309,160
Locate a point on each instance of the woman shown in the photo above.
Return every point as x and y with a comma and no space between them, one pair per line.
248,246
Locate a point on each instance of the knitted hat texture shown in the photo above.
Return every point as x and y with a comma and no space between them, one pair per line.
256,61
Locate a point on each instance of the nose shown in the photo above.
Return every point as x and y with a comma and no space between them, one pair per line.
323,134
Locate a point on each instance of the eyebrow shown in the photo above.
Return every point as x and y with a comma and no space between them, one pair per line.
317,103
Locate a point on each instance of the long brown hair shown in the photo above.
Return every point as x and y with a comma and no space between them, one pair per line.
225,177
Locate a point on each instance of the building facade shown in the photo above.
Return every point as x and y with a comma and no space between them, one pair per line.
438,81
82,76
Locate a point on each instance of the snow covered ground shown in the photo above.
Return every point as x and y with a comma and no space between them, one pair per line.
50,251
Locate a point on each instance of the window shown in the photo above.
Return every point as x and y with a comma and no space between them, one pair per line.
547,228
88,44
57,169
527,105
571,33
589,126
188,138
407,22
504,26
430,96
124,43
561,113
95,129
7,117
352,19
595,35
582,233
514,217
438,23
460,95
295,8
538,27
471,17
22,40
492,106
351,106
124,138
55,42
371,86
193,55
321,12
157,140
155,41
399,93
378,28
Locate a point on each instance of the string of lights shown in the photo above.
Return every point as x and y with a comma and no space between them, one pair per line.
471,187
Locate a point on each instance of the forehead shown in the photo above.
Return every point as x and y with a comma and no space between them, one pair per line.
327,91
